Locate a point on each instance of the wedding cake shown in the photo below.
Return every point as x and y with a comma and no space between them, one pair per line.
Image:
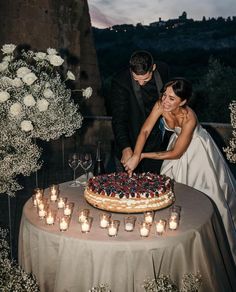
117,192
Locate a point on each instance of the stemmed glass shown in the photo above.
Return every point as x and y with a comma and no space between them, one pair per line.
86,162
74,162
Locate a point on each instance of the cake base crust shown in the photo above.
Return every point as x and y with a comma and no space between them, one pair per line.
131,205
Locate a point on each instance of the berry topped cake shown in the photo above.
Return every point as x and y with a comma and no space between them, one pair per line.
117,192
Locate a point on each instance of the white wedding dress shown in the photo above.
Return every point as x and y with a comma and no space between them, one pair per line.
204,168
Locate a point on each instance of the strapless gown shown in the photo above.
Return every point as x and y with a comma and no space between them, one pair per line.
204,168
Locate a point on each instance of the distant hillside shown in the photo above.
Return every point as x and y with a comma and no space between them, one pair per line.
184,44
178,42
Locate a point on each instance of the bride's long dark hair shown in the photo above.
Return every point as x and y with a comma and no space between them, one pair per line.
181,87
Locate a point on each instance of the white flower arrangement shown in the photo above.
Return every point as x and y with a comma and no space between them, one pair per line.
190,283
13,277
231,149
34,104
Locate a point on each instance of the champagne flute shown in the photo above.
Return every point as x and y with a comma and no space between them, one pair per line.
86,162
74,162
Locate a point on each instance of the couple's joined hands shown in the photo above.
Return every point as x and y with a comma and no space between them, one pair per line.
131,164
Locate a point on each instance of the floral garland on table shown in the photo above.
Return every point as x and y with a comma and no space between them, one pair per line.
34,104
231,149
190,283
12,276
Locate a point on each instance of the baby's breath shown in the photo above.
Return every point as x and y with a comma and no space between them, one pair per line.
231,149
34,104
12,276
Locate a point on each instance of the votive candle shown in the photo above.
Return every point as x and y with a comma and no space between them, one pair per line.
63,224
50,218
173,223
144,229
104,220
160,226
85,226
61,203
148,217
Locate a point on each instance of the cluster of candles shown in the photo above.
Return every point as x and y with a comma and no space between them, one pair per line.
50,214
161,224
65,209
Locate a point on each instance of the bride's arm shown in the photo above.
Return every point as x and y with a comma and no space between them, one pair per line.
144,133
181,143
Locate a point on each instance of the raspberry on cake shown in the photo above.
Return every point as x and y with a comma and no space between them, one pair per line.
117,192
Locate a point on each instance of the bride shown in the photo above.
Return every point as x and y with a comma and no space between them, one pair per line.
192,157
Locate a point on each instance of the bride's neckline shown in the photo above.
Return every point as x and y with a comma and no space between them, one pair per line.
168,127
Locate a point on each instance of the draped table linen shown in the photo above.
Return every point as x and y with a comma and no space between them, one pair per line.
75,262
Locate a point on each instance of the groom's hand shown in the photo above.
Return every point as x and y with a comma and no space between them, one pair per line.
126,155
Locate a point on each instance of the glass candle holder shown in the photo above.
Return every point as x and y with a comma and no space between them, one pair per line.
36,200
54,192
83,215
175,212
173,223
144,229
148,217
86,225
113,227
68,209
42,210
38,193
50,217
61,202
63,223
104,220
160,226
129,222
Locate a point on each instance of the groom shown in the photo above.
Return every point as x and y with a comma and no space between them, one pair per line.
134,92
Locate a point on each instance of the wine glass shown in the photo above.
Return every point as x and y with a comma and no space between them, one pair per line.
74,162
86,162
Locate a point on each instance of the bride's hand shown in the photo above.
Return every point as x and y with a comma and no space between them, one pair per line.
131,164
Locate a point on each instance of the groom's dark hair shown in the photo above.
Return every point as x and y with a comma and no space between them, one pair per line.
141,62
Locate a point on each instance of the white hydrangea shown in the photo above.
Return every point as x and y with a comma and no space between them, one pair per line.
70,75
51,51
16,109
7,58
8,48
3,66
48,93
26,126
55,60
16,82
42,105
29,100
22,71
87,92
4,96
5,81
40,56
29,78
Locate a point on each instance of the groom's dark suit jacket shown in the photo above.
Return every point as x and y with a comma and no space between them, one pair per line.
128,113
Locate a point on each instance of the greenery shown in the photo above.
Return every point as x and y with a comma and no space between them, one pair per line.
12,277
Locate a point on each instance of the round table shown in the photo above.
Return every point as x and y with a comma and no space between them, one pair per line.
74,261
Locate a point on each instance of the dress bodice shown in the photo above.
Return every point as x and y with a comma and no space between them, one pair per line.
176,130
